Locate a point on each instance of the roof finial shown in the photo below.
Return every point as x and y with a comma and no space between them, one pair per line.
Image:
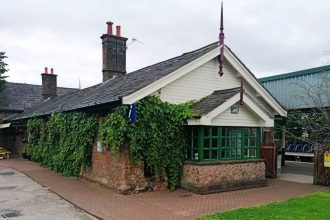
241,92
221,43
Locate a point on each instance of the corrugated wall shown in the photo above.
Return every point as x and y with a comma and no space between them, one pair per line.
292,92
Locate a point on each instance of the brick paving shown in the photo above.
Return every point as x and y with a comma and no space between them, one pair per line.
180,204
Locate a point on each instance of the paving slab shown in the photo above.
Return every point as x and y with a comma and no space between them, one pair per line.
179,204
23,198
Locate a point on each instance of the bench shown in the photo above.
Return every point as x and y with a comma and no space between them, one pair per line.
4,154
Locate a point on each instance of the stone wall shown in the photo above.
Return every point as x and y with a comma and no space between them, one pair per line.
116,171
223,175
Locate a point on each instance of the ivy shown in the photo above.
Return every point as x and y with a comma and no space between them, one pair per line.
157,139
63,142
113,131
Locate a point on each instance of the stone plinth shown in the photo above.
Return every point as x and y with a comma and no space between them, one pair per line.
209,177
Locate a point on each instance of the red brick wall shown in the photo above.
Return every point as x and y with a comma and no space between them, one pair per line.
116,170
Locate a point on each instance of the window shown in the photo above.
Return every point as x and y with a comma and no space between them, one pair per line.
208,143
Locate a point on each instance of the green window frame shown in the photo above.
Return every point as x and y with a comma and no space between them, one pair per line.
213,143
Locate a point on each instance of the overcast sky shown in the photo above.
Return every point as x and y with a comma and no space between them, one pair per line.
270,37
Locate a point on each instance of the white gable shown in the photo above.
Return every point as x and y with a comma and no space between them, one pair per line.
244,118
250,114
203,81
199,83
200,78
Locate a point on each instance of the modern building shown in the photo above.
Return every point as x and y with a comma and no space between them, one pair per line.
302,89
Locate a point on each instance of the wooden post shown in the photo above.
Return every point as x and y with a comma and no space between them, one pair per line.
283,146
269,136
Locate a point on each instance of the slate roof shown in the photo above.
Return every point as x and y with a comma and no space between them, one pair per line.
214,100
20,96
116,88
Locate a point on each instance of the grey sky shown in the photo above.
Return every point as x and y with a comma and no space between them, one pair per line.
270,37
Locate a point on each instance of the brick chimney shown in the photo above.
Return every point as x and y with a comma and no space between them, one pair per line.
114,53
49,84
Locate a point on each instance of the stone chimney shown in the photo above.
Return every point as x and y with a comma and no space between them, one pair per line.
114,53
49,84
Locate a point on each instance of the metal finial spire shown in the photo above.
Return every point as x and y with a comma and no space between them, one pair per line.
221,43
241,92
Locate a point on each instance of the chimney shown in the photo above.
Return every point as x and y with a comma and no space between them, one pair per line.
49,84
114,53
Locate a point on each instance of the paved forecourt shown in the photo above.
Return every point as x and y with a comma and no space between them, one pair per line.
179,204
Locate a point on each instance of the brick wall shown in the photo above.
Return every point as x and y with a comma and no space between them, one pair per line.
223,176
116,170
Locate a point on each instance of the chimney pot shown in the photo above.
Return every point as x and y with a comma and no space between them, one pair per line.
109,31
49,84
113,54
118,31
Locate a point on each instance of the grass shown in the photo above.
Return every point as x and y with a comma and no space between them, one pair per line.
314,206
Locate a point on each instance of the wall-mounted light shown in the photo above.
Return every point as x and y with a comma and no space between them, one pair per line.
234,109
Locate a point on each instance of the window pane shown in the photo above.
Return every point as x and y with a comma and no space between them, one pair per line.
233,153
189,156
215,132
206,143
252,152
224,142
195,131
225,153
252,141
195,154
246,152
233,142
246,140
206,154
195,143
207,132
239,144
224,132
246,132
214,154
253,132
239,153
214,143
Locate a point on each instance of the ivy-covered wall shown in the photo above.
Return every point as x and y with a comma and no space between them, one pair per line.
62,142
157,139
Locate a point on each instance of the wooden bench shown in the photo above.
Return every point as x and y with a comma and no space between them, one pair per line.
4,154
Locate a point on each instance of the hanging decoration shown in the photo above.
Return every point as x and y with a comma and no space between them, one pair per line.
241,93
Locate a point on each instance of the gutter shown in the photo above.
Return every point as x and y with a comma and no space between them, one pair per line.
89,104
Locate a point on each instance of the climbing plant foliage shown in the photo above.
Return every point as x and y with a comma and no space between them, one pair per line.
63,142
157,139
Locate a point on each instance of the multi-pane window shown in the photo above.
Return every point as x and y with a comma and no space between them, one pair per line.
223,143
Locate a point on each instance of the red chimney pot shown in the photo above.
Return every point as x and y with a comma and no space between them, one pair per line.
51,71
118,31
46,70
109,31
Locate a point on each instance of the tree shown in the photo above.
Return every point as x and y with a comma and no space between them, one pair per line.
312,124
3,70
